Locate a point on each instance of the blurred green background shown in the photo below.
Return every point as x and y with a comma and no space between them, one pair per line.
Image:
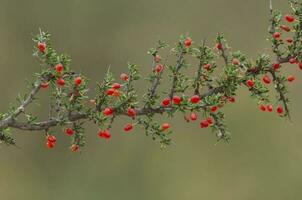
263,161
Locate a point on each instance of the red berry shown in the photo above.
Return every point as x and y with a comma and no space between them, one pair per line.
74,148
177,100
290,78
219,46
276,66
204,124
231,99
269,108
131,112
292,61
300,66
108,111
104,134
128,127
116,86
214,108
157,58
285,28
42,47
250,83
69,131
124,77
61,82
165,126
235,61
210,120
59,67
51,138
279,109
110,91
116,93
262,108
44,85
289,18
193,116
276,35
289,40
50,145
195,99
159,68
266,79
166,102
207,66
188,42
78,81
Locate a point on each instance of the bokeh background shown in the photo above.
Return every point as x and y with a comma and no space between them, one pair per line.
263,161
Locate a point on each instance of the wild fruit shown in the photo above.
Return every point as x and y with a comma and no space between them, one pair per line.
195,99
128,127
69,131
177,99
104,134
124,77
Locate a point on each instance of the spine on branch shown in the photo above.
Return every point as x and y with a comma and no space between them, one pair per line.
201,96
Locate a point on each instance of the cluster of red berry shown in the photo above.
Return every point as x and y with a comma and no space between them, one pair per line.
59,68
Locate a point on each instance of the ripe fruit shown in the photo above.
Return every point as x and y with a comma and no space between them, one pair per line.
104,134
44,85
235,61
78,81
204,124
276,66
193,116
59,67
285,28
210,120
214,108
266,79
69,131
131,112
262,108
289,18
195,99
108,111
159,68
250,83
116,86
300,66
231,99
166,102
188,42
289,40
290,78
219,46
279,109
50,145
42,47
269,108
116,93
124,77
61,82
292,61
207,66
128,127
110,91
165,126
74,148
176,99
276,35
51,138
